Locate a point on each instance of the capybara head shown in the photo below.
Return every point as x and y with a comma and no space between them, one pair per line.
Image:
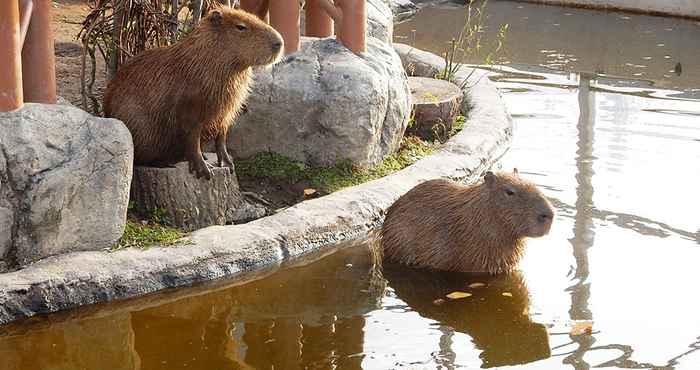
251,42
518,204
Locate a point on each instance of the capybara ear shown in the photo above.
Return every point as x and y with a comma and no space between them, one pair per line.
515,171
215,17
489,178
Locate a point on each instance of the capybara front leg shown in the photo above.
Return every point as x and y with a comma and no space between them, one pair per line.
194,156
222,153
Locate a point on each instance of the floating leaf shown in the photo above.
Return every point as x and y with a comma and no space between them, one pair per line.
507,294
476,285
438,301
581,328
458,295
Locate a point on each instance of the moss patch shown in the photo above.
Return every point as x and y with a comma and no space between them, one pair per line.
329,179
147,229
140,235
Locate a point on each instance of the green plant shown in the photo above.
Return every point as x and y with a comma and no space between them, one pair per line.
469,42
147,234
329,179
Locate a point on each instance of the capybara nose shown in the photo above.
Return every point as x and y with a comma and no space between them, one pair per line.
545,217
276,46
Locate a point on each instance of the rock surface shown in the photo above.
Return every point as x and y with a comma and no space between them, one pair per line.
325,104
190,203
64,182
380,20
402,9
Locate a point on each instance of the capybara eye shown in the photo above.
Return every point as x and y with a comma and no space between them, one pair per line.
509,192
241,27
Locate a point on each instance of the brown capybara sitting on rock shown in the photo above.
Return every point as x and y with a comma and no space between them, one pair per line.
442,225
177,97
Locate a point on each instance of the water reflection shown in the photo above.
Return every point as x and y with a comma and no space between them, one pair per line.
498,325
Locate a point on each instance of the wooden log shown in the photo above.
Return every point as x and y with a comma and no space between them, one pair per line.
435,107
190,203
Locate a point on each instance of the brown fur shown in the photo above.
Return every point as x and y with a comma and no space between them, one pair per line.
442,225
175,98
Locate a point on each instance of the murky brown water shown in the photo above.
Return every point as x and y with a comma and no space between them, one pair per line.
621,165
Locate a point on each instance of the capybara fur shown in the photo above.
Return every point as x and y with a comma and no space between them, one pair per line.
175,98
443,225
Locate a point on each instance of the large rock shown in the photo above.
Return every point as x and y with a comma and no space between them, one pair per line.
64,182
325,104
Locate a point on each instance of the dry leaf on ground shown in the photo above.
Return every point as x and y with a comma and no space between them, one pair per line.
476,285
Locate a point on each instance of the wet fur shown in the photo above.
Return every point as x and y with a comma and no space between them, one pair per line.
442,225
173,99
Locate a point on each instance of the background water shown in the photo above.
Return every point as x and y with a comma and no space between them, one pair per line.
620,161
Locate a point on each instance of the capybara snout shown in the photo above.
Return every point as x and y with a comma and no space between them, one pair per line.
520,205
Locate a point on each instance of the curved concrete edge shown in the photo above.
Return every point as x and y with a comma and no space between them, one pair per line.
676,8
82,278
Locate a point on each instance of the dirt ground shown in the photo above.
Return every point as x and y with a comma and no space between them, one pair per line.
68,16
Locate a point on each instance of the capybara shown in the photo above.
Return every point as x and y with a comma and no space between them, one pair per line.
175,98
443,225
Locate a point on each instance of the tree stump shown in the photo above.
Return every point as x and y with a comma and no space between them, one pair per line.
190,203
435,107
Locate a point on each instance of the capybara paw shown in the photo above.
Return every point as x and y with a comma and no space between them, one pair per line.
200,169
225,161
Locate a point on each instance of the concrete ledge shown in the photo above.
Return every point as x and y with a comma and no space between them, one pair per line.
82,278
676,8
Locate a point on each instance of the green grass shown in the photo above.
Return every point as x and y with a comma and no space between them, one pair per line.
458,125
143,236
329,179
147,229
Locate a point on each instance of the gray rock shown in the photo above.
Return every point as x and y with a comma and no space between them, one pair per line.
64,181
380,20
325,104
402,9
190,203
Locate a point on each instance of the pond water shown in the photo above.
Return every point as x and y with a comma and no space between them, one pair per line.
620,161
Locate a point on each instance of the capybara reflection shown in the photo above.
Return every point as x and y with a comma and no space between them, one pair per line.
499,325
175,98
443,225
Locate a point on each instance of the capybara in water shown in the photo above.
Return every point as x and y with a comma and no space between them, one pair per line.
442,225
177,97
